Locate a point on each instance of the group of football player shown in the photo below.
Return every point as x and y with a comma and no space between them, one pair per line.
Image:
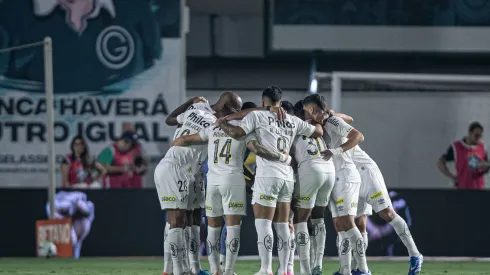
307,158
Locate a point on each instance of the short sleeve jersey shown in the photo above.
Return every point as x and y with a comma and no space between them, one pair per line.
276,135
193,121
203,106
335,134
361,158
225,154
307,150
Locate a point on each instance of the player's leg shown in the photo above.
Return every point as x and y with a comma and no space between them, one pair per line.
193,229
214,213
364,210
292,248
345,200
281,224
172,189
234,205
195,241
167,257
222,248
318,222
380,200
305,193
264,200
82,225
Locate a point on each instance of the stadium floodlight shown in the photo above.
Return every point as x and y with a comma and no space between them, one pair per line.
361,81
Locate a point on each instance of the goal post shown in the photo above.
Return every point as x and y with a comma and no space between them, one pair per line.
431,81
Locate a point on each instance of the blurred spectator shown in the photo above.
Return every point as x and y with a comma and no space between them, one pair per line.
119,160
140,159
78,167
469,156
74,205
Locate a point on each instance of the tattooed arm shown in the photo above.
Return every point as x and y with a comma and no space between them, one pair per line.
259,150
233,131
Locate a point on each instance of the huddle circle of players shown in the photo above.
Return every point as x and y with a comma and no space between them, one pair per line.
306,154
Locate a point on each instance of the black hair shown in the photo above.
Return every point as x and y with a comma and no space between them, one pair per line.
248,105
288,107
84,156
273,93
316,99
298,109
475,125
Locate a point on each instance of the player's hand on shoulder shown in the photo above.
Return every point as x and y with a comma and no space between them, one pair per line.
220,121
198,99
280,112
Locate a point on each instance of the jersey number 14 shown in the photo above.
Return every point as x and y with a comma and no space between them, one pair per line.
225,151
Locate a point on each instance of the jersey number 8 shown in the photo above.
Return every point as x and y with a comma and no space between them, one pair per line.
225,151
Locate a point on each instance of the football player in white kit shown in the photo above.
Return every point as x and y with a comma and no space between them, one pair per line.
176,172
316,178
274,182
373,194
341,138
225,188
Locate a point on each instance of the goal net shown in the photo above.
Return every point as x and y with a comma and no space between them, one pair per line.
409,120
9,80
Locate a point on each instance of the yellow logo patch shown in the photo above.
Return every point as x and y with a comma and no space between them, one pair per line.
267,198
339,201
169,198
377,195
235,204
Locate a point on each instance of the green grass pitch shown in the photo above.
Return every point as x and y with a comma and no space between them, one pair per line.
145,266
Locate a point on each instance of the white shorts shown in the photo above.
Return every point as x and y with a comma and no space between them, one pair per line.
373,194
313,188
270,191
344,198
226,196
172,185
197,192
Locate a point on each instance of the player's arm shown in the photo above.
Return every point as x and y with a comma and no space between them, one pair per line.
344,117
442,163
172,118
279,111
261,151
307,129
340,127
194,139
248,125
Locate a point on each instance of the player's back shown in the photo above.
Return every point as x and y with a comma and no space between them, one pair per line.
276,135
193,121
307,152
361,158
335,135
225,154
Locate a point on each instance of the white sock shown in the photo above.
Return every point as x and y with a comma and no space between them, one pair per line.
213,249
303,243
187,239
344,250
354,264
403,232
222,261
292,248
167,256
233,246
358,248
194,244
283,235
319,240
177,247
265,242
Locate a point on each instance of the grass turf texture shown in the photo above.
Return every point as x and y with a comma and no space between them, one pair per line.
144,266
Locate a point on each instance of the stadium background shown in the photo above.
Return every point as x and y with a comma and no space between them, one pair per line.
233,45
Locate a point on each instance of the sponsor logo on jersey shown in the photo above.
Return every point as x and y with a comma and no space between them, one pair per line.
235,205
353,204
198,119
333,121
303,198
281,123
339,201
267,198
209,207
376,195
169,198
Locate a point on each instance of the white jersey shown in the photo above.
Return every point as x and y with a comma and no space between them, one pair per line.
335,134
307,152
276,135
203,106
225,154
361,158
193,121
